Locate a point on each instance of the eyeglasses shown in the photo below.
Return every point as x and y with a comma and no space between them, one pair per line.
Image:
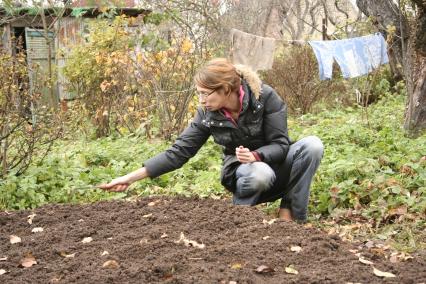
205,95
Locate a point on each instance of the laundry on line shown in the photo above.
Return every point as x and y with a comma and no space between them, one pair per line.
355,56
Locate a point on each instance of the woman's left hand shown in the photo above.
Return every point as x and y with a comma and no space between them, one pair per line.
244,155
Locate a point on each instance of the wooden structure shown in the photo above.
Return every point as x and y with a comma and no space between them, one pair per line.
25,28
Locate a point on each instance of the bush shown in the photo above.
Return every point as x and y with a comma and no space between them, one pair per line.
27,127
295,77
133,82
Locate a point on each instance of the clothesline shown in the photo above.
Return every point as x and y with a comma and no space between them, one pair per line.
355,56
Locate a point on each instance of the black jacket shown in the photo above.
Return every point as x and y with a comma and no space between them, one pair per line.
262,127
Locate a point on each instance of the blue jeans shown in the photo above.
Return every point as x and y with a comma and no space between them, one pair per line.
257,182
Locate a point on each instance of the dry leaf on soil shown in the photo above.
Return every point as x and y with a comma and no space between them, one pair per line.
14,239
104,253
266,237
270,222
153,203
365,261
398,257
382,273
30,218
296,249
232,282
110,264
290,270
2,271
87,240
143,241
64,254
188,242
37,230
3,258
28,261
147,215
236,266
264,269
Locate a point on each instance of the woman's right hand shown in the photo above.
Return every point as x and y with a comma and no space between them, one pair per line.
116,185
122,183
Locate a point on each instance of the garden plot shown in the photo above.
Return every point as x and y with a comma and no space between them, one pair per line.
184,240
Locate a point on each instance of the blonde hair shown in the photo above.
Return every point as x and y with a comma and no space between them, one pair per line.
218,74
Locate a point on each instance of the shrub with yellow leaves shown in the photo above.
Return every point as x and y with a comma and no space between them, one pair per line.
126,86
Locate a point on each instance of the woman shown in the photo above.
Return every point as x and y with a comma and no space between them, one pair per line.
249,120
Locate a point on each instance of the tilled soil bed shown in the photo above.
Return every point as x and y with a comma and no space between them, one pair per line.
138,242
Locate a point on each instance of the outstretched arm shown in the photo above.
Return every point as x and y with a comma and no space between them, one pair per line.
122,183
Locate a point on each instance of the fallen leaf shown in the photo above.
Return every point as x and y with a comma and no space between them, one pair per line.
353,250
153,203
290,270
164,236
37,230
270,222
28,261
3,258
30,218
143,241
55,280
80,220
110,264
87,240
14,239
147,215
188,243
365,261
236,266
398,257
2,271
64,254
382,273
296,249
369,244
232,282
109,238
266,237
264,269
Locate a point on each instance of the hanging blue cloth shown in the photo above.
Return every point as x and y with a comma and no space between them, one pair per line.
355,56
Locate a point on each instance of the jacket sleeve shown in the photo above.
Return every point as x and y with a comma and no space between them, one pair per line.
185,147
274,129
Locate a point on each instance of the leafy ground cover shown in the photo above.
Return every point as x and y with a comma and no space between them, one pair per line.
371,183
184,240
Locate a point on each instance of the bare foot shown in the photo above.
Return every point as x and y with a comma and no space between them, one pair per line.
285,215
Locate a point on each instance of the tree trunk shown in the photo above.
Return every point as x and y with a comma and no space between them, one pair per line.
385,14
408,50
415,116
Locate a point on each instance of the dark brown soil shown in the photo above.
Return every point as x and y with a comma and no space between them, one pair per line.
145,249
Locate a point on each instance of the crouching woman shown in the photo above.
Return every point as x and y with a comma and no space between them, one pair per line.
249,119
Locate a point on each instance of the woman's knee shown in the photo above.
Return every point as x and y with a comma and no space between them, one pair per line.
257,175
263,174
313,146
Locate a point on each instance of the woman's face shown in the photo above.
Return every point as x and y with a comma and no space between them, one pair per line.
212,100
